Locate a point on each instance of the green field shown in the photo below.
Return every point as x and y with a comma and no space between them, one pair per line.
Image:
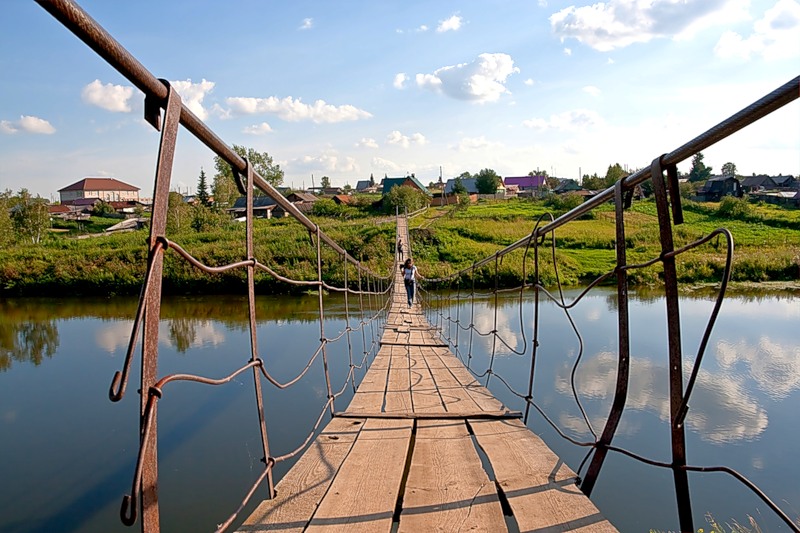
445,240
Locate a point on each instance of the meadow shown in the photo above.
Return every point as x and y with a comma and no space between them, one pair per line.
445,241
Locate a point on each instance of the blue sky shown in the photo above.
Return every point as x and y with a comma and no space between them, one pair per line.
348,89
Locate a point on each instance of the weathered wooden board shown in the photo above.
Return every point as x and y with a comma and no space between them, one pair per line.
539,487
302,488
364,493
447,488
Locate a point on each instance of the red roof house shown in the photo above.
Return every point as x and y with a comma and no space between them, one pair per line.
106,189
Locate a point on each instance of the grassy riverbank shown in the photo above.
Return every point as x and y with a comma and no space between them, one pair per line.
767,241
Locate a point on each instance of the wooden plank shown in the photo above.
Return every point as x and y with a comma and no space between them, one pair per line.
398,391
302,488
364,493
424,395
366,402
539,487
447,488
454,396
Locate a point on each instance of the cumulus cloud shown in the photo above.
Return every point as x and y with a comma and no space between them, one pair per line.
615,24
567,51
192,95
28,124
469,144
258,129
775,367
328,161
451,24
367,142
295,110
529,82
110,97
405,141
591,89
307,24
385,165
482,80
400,80
775,36
573,120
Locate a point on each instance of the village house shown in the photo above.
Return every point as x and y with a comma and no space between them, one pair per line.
718,186
105,189
408,181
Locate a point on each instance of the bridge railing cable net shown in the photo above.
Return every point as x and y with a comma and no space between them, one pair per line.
366,296
539,252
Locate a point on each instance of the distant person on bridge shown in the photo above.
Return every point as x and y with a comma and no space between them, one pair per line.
399,249
410,279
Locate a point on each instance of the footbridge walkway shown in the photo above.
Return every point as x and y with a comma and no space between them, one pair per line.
424,445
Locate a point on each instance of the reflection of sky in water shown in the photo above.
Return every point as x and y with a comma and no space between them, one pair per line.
721,408
115,335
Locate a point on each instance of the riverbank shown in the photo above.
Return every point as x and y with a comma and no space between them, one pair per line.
767,249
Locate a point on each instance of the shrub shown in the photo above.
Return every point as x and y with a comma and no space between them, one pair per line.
735,208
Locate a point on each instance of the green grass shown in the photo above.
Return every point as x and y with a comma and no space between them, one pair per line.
767,248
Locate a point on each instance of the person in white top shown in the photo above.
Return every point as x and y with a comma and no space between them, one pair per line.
410,279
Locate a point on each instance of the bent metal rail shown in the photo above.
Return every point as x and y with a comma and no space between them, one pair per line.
373,288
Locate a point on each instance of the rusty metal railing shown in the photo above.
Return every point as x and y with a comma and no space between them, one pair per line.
143,499
669,211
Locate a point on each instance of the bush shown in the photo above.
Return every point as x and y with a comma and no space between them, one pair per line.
735,208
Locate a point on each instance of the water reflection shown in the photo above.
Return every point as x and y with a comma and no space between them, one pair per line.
29,341
722,410
774,367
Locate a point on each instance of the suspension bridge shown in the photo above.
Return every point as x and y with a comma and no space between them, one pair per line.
421,445
408,450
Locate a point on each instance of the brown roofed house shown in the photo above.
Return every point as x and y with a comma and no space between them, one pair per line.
106,189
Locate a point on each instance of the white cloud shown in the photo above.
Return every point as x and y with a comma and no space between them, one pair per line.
775,36
109,96
367,142
399,139
295,110
529,82
28,124
482,80
775,367
328,161
574,120
615,24
385,165
451,24
567,51
469,144
422,29
258,129
192,95
307,24
591,89
400,80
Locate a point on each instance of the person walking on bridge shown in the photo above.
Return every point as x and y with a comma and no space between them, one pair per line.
399,249
410,279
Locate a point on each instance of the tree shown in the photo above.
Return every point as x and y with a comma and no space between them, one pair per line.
325,182
179,213
593,182
538,172
405,198
6,224
699,171
728,169
347,188
458,186
224,188
30,217
103,209
487,181
614,173
371,180
202,190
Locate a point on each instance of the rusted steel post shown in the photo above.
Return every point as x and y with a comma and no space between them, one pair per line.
623,343
152,307
352,370
322,338
251,313
494,320
535,341
674,338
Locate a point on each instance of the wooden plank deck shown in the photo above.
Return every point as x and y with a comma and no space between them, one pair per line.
406,454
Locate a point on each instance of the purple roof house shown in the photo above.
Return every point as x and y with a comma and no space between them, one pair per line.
526,183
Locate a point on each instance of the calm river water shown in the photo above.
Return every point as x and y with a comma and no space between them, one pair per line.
67,454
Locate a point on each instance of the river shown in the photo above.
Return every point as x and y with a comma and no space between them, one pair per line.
67,453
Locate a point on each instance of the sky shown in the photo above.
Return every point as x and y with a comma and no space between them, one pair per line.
353,88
